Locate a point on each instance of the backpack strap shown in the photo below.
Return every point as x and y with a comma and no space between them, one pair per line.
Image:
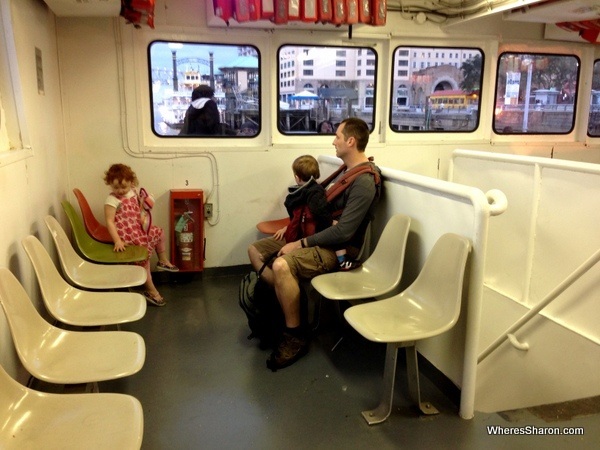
146,204
327,181
346,180
266,263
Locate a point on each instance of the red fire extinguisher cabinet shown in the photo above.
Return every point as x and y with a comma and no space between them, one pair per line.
186,219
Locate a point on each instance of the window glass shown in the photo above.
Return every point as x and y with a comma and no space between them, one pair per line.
594,118
436,89
535,93
204,90
316,100
14,137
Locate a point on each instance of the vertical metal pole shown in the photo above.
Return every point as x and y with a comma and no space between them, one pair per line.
175,80
527,95
211,60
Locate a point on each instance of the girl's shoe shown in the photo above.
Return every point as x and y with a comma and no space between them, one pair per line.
166,267
154,300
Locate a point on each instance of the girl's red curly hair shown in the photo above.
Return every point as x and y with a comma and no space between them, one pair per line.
120,172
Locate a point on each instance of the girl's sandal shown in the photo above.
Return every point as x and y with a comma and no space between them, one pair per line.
156,301
166,267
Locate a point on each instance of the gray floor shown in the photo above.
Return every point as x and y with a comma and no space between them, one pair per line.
205,386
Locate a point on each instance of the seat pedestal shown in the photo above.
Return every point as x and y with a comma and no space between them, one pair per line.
382,412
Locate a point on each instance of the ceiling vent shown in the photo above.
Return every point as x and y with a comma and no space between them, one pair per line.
85,8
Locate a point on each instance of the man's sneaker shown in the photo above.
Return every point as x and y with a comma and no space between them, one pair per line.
289,350
349,264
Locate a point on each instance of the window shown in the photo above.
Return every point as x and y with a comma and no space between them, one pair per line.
594,117
434,95
535,93
14,138
230,72
333,94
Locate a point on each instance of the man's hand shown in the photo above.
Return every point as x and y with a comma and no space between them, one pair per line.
290,247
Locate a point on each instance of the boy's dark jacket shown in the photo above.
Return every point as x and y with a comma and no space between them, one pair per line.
308,210
302,222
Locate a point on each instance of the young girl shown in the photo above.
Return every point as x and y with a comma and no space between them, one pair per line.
124,223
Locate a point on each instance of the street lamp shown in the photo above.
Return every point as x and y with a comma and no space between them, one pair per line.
529,63
174,46
211,61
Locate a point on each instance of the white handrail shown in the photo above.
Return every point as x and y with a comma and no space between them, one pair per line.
575,275
497,200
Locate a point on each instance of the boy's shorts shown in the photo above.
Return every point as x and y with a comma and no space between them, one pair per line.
304,263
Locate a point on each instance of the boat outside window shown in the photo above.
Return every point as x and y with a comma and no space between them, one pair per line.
536,93
435,90
216,84
314,101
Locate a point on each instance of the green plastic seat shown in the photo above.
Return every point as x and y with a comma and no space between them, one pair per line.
98,251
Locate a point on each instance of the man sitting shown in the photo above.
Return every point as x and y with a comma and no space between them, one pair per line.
314,255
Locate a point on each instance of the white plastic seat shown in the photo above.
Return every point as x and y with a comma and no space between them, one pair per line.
378,275
73,306
427,308
60,356
90,275
35,420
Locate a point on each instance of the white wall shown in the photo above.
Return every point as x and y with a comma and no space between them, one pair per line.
253,175
76,127
32,188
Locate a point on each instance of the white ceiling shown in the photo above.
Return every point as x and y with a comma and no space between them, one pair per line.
555,11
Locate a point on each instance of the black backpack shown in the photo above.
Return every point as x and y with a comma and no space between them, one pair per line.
259,302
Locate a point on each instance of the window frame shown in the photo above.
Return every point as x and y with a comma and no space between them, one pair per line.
209,44
590,135
340,48
12,105
396,83
532,52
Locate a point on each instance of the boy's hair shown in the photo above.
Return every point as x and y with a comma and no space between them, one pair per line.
359,130
306,166
120,172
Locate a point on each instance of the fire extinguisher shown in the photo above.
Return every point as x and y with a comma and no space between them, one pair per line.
185,241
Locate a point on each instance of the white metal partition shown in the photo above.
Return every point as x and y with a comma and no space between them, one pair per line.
437,207
540,308
550,228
